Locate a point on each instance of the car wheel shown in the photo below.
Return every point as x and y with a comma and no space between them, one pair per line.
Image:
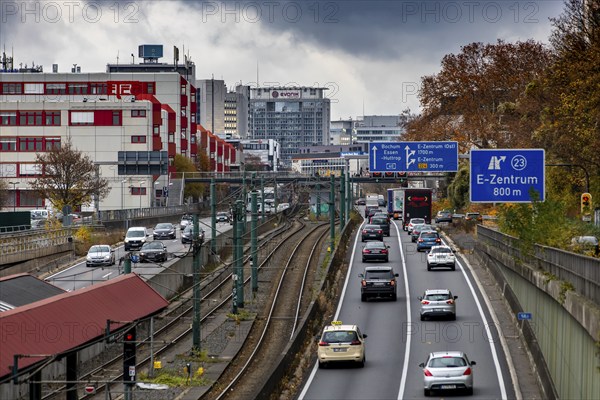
363,297
364,260
394,297
470,391
422,317
428,267
426,392
453,267
387,259
363,240
362,363
453,317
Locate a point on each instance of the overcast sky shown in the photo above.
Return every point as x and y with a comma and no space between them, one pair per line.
370,54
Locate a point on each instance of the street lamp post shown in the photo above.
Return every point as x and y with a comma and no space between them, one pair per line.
14,184
122,192
141,195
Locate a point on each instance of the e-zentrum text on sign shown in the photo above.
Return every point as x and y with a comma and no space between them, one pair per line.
510,179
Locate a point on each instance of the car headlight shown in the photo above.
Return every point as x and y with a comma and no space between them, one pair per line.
89,257
107,257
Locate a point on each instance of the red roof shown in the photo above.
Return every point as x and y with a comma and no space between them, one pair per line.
63,322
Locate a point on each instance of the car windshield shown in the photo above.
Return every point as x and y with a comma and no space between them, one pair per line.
339,336
136,234
382,274
99,249
379,221
447,362
429,235
415,221
437,297
441,250
371,226
164,226
375,245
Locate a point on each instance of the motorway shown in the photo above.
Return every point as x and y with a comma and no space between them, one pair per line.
79,276
398,341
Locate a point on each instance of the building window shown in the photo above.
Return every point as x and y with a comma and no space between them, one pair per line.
78,88
56,88
138,139
138,113
12,88
52,144
192,139
53,118
116,118
8,144
150,88
34,88
8,118
171,137
138,191
29,198
98,88
31,143
156,130
183,90
82,117
30,118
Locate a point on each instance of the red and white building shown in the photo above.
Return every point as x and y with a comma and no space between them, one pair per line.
102,114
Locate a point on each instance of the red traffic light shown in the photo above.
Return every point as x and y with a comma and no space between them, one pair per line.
129,337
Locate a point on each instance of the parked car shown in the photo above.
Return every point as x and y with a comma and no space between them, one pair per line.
443,216
441,256
585,244
378,282
438,303
412,222
341,343
153,251
222,216
164,231
375,251
473,216
417,229
372,232
448,370
428,239
382,222
187,234
99,255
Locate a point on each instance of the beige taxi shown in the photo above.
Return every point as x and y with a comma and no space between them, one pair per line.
341,343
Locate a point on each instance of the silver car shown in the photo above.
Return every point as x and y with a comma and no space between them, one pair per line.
448,370
438,303
100,254
441,256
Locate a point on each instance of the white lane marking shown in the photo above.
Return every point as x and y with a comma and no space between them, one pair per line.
107,275
337,313
51,277
487,330
408,320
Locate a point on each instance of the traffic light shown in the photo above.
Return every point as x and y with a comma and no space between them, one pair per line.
586,204
129,340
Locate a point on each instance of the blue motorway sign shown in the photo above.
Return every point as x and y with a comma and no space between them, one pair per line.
413,156
524,316
507,175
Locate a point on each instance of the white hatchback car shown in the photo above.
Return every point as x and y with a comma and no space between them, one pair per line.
339,343
448,370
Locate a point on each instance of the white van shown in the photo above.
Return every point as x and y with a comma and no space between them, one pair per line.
135,238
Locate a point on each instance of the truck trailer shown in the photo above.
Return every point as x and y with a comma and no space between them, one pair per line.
395,198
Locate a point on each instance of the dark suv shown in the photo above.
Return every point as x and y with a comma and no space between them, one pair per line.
383,223
378,282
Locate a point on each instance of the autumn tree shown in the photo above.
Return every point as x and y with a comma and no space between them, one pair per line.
252,162
69,177
570,121
184,164
3,193
474,98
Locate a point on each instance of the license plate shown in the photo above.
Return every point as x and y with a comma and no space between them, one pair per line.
378,284
448,387
339,349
